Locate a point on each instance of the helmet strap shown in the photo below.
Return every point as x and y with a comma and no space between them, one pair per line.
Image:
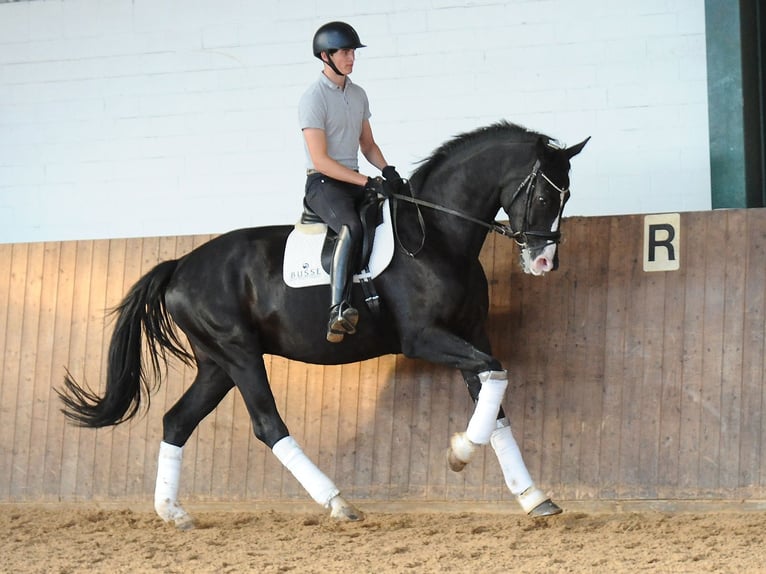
332,65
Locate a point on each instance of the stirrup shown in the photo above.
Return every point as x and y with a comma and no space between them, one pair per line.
343,321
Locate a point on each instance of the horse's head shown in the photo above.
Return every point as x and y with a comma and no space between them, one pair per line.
536,207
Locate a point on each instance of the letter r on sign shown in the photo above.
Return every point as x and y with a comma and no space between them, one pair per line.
662,236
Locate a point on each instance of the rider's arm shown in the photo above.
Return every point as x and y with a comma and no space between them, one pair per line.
316,142
370,148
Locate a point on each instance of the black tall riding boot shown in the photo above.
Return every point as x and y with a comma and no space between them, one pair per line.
343,317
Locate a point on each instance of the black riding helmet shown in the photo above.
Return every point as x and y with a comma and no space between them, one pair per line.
335,36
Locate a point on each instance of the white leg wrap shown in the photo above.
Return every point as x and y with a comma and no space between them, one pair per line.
316,483
509,456
483,421
166,487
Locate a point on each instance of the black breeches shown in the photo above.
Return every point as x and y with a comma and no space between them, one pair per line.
336,202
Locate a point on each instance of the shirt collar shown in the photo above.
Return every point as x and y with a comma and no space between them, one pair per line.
332,85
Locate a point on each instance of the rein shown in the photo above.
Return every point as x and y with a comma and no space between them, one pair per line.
520,237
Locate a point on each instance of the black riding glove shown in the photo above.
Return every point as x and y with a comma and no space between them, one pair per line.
396,183
390,173
378,186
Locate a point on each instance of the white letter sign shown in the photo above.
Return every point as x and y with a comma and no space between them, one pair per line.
662,242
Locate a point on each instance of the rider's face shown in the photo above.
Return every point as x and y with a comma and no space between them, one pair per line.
344,60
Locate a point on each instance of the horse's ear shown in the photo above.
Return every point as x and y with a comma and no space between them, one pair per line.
541,147
570,152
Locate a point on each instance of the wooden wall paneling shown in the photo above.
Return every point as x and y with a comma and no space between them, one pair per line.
384,428
671,357
617,283
53,483
633,366
549,302
49,372
712,359
730,377
40,375
46,401
25,397
401,431
574,310
441,380
93,455
420,430
690,432
330,417
587,382
348,425
753,423
758,234
360,481
71,486
7,410
651,382
11,369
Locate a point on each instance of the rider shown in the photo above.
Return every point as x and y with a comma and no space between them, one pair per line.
334,117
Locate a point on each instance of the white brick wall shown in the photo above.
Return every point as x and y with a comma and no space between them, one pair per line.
128,118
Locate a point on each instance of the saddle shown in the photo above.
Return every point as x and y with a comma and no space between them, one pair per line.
309,249
371,215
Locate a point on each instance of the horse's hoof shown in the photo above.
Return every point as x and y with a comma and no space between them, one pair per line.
173,513
455,464
545,508
342,510
460,451
185,523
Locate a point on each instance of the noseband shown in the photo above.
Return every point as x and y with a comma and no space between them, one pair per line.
521,237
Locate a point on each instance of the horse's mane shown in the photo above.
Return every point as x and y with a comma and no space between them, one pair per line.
502,130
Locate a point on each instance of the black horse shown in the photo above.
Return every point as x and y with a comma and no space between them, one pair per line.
229,299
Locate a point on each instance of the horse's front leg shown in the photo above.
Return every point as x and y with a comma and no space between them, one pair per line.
492,385
487,390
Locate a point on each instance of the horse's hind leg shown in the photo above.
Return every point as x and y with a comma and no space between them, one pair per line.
208,389
271,430
462,446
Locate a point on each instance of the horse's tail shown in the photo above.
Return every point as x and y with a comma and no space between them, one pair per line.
127,383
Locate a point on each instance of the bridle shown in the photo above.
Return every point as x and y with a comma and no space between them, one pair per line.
521,236
528,185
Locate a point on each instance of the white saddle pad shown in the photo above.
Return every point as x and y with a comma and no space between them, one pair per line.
303,266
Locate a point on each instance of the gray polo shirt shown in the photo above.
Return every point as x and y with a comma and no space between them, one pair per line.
340,112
